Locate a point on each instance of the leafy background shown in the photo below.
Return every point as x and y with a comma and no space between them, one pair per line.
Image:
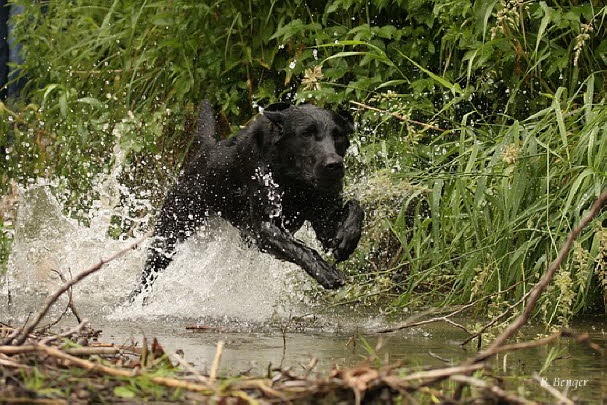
498,148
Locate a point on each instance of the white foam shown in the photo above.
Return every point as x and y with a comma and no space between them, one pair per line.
213,275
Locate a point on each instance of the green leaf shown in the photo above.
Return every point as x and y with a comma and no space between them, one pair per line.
455,89
543,24
556,106
124,392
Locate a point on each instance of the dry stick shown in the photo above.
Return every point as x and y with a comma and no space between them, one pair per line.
37,401
75,351
183,362
52,298
7,362
494,389
563,400
539,288
496,319
115,372
582,338
69,299
15,332
400,117
411,322
442,372
70,303
216,361
70,332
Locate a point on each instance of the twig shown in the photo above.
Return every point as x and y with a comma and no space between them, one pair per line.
562,398
188,367
494,389
216,360
36,401
52,298
437,357
69,299
411,322
75,351
582,338
70,332
16,331
496,319
115,372
7,362
400,117
442,372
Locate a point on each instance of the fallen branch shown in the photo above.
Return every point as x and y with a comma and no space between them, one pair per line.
562,398
493,389
75,351
413,321
115,372
496,319
216,361
70,332
70,303
65,287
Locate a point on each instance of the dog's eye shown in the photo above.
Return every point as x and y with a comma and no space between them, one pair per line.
309,131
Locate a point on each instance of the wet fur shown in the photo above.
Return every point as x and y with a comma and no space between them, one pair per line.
283,169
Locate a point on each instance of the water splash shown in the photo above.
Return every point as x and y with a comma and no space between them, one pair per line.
213,275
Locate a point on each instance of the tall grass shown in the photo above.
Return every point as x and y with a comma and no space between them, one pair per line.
502,198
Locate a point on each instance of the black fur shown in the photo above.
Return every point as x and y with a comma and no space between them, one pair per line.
284,168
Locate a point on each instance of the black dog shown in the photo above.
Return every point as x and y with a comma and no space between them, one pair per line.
284,168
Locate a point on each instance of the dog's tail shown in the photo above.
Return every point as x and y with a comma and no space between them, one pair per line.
205,126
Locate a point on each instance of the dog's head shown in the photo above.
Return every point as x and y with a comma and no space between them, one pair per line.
309,144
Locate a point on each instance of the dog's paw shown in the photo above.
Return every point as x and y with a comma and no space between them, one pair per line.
349,232
329,276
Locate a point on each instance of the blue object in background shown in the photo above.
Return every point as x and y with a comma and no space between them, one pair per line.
4,50
14,56
10,52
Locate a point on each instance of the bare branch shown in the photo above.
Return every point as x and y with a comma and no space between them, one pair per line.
400,117
65,287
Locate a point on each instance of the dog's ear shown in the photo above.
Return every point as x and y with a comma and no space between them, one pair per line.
275,112
345,119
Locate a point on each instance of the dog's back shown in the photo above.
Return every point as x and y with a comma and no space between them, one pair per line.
282,169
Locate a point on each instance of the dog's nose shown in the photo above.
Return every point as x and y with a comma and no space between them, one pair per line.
334,165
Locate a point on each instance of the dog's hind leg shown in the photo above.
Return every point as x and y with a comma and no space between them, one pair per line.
179,218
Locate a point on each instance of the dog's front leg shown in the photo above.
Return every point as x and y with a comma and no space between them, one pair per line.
348,231
283,246
339,228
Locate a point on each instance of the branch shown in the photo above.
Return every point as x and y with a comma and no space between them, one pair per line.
508,397
496,319
562,398
395,115
413,321
65,287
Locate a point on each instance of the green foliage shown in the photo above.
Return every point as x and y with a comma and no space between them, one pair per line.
517,90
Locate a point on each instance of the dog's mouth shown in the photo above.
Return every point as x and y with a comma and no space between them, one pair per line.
329,183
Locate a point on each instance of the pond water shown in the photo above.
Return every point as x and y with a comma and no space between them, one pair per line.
250,301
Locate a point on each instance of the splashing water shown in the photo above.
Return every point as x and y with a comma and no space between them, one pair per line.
214,274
